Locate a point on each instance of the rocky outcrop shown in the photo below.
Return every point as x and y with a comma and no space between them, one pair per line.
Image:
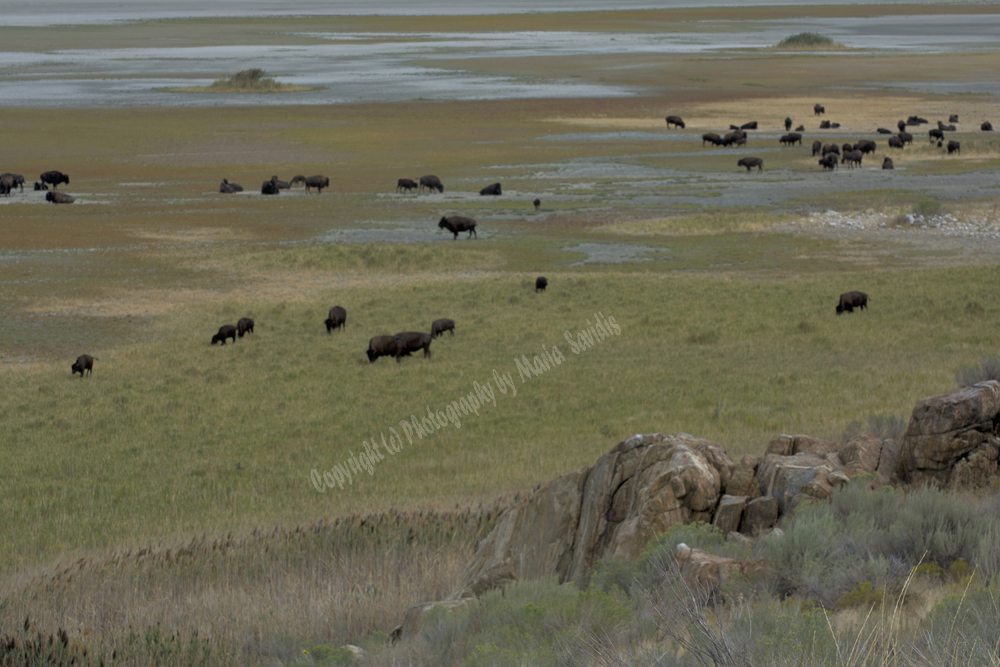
704,573
953,436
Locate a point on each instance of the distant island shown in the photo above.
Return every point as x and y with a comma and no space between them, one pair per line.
253,80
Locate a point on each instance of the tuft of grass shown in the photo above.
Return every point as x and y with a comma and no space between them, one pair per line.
988,369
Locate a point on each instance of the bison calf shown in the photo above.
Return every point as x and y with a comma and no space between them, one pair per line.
225,331
406,184
442,325
851,300
84,362
337,319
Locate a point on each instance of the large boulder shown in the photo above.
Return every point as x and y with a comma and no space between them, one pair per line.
952,432
705,573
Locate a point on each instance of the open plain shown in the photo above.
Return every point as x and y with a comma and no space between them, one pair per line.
723,282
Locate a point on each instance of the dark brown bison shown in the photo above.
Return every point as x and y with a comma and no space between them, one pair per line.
442,325
6,184
16,181
54,178
58,197
712,137
953,118
411,341
905,137
281,185
229,188
676,121
84,362
887,163
791,138
541,282
752,125
824,125
935,134
916,120
788,124
883,130
269,188
431,183
819,110
901,125
318,182
851,300
493,190
865,146
848,148
384,346
405,184
817,147
538,204
735,138
987,126
336,319
750,163
225,331
244,326
41,186
828,162
954,147
831,148
458,223
895,142
852,158
946,128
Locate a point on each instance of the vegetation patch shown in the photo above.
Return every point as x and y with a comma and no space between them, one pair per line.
253,80
809,41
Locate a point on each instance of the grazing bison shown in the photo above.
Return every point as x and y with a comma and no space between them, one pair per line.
411,341
54,178
819,110
817,147
336,319
852,158
887,163
883,130
431,183
442,325
895,142
384,346
269,188
954,147
953,118
865,146
831,148
229,188
791,138
987,126
493,190
675,121
752,125
405,184
935,134
905,137
711,136
84,362
59,197
750,163
538,204
788,124
225,331
244,326
735,138
41,186
6,184
458,223
829,162
901,125
318,182
541,282
851,300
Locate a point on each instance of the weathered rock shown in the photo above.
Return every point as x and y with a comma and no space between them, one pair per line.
729,513
861,454
744,482
976,471
947,428
739,538
413,619
788,478
705,573
759,515
790,445
887,463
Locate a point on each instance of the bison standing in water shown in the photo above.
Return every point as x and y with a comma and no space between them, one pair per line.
54,178
431,183
458,223
84,362
318,182
851,300
750,163
493,190
675,121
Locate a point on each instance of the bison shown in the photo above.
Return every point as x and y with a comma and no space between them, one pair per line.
736,137
901,125
852,158
225,331
431,183
752,125
405,184
493,190
540,284
824,125
954,147
831,148
84,362
440,326
41,186
905,137
895,142
987,126
384,346
6,184
935,134
711,136
336,319
750,163
819,110
269,188
244,326
281,185
458,223
865,146
59,197
916,120
676,121
54,178
791,138
318,182
538,204
788,124
851,300
946,128
883,130
953,118
229,188
16,181
887,163
411,341
828,162
817,147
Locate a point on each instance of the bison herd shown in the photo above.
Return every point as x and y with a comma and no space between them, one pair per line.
275,185
10,182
